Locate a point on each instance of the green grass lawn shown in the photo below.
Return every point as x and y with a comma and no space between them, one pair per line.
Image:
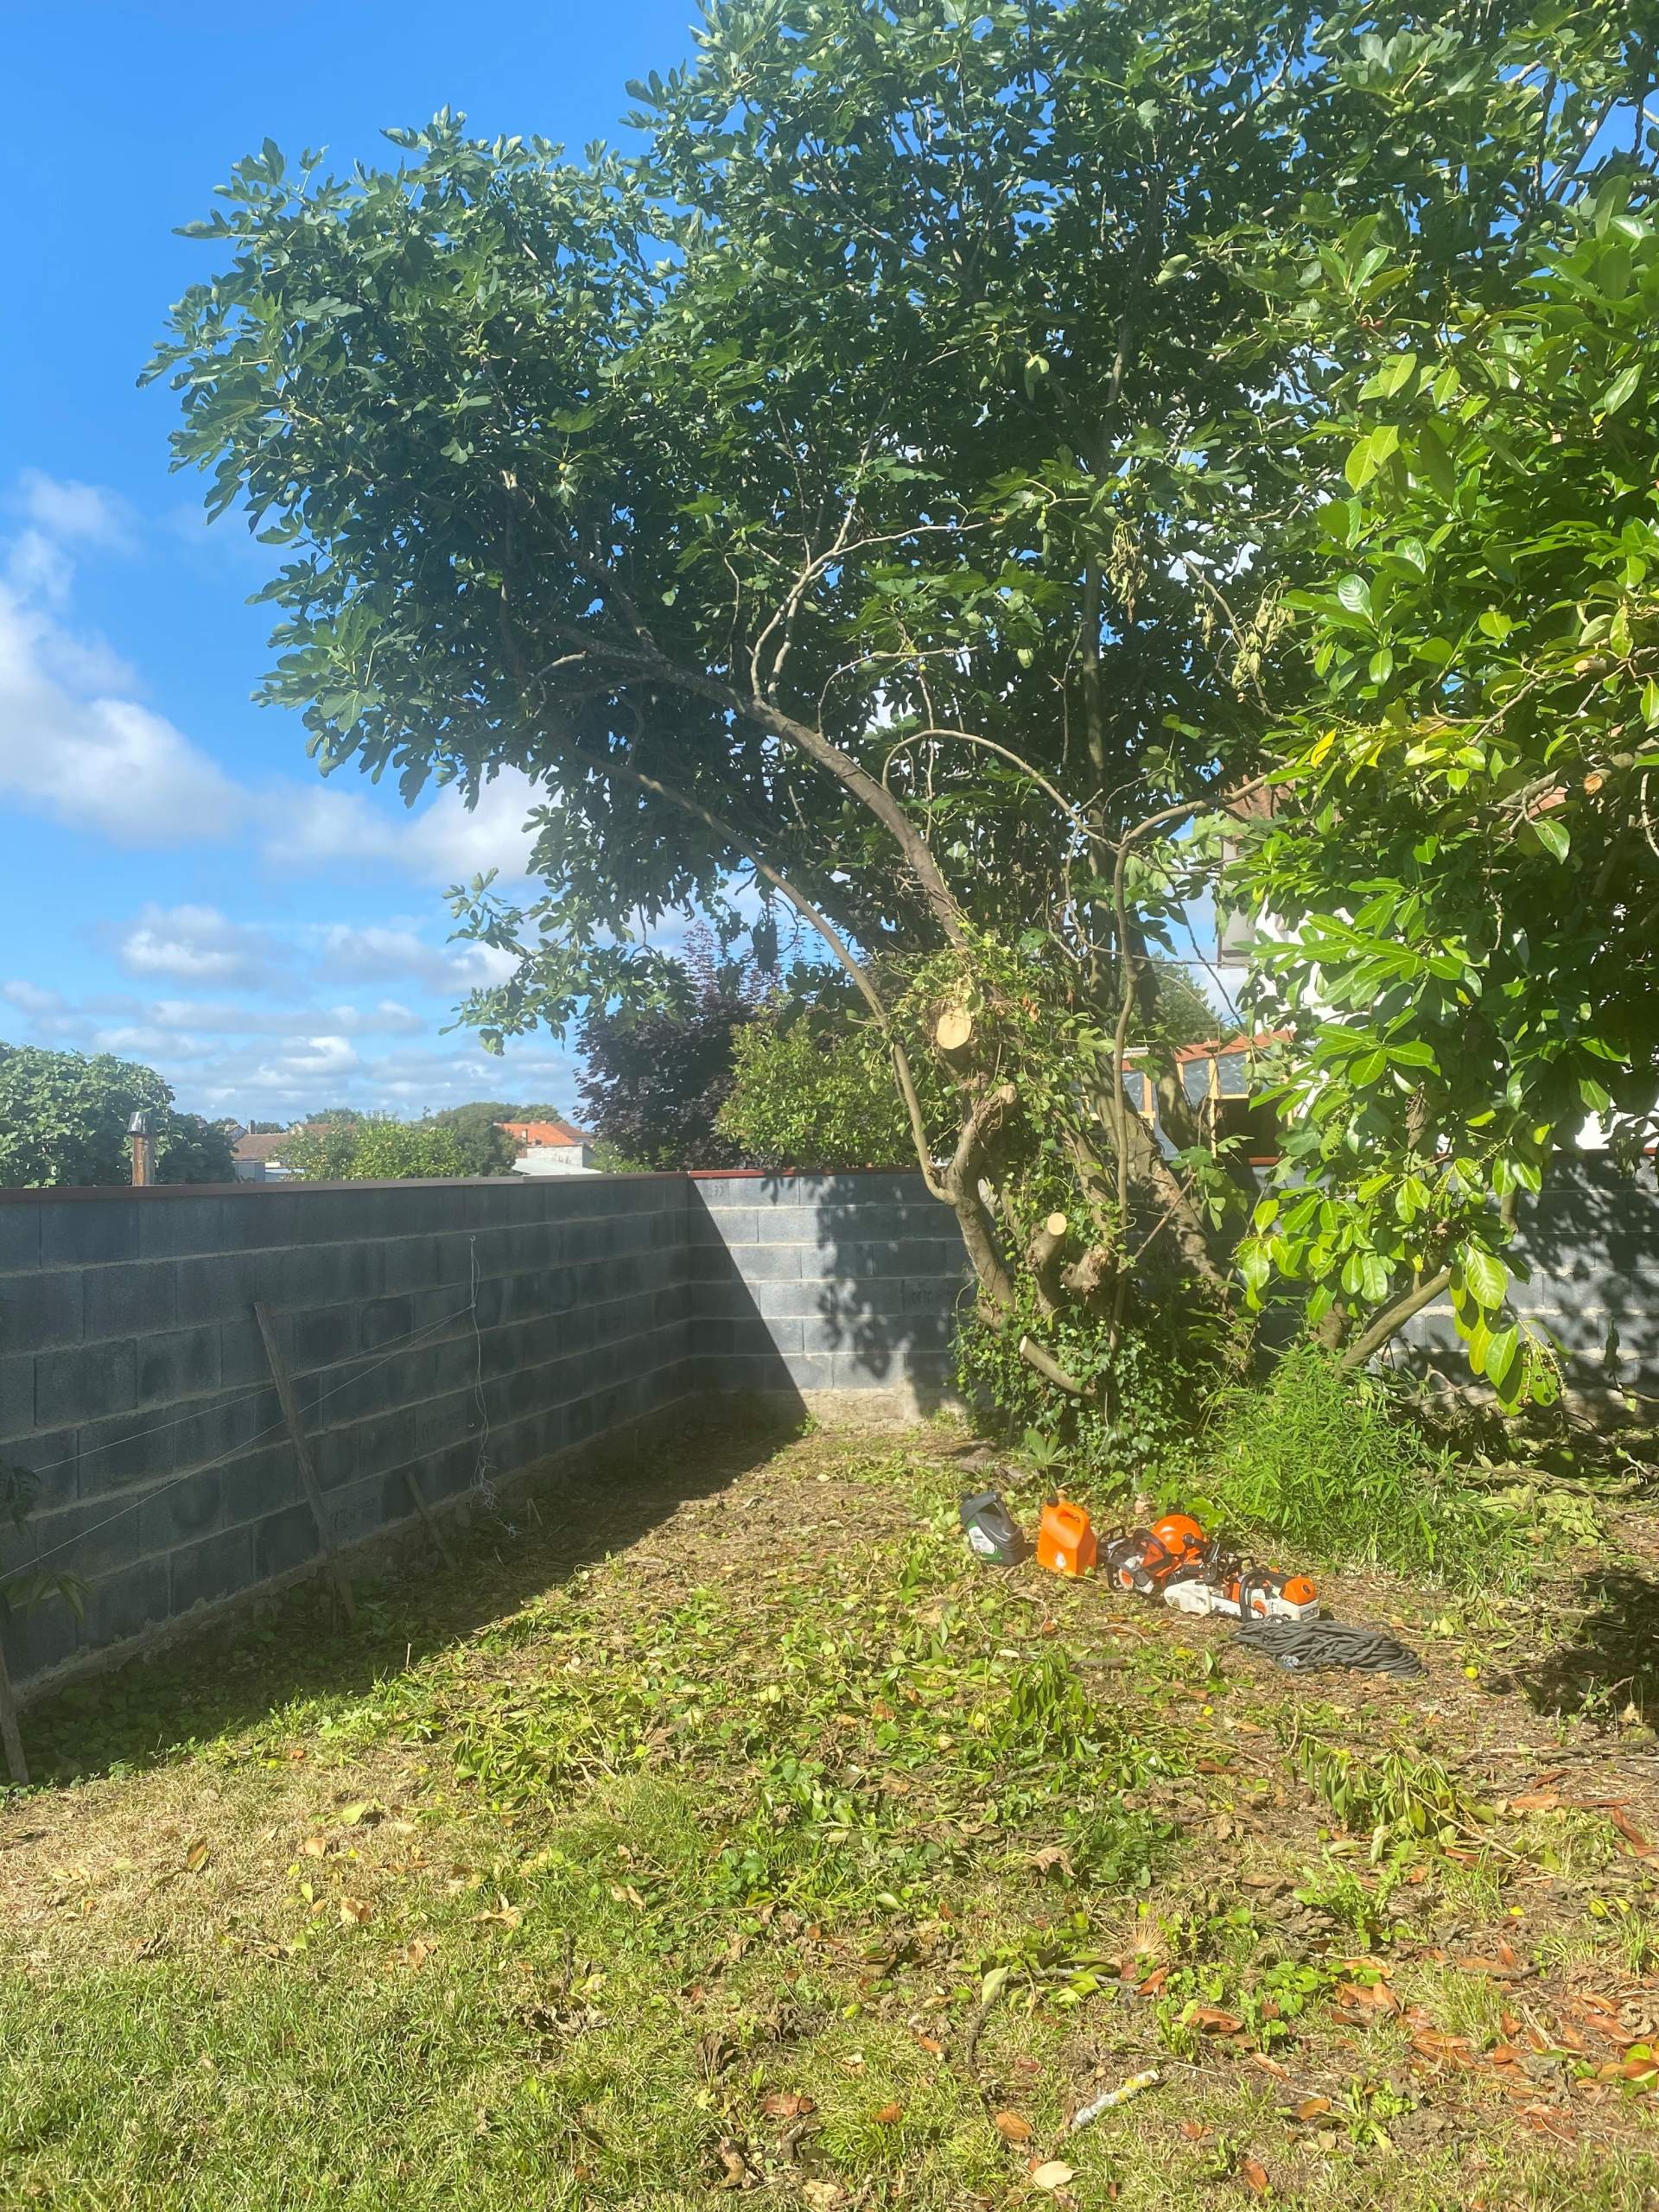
723,1829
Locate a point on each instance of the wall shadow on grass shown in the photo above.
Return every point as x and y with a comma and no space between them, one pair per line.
232,1679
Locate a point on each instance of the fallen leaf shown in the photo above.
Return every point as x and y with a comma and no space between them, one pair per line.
1153,1982
736,2165
355,1912
821,2196
1194,2130
1011,2127
1536,1801
359,1811
1311,2107
1254,2175
315,1846
1052,2174
1640,1847
785,2104
1211,2020
930,2043
417,1953
196,1858
889,2113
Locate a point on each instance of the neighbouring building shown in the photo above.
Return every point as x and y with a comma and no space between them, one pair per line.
1222,1079
259,1159
549,1148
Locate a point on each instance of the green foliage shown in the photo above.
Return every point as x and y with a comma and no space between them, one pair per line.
20,1593
1141,1397
63,1117
379,1149
815,1092
1465,860
192,1150
1319,1461
658,1076
485,1147
1398,1797
880,493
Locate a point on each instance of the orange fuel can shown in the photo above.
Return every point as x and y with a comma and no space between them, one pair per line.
1065,1539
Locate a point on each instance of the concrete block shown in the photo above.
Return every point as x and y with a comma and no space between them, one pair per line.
330,1274
179,1512
335,1455
242,1353
323,1336
222,1286
729,1225
85,1381
20,1230
767,1263
135,1300
41,1310
262,1482
84,1540
16,1394
122,1603
121,1450
178,1364
788,1225
90,1233
282,1541
53,1458
170,1228
385,1319
410,1263
38,1640
388,1440
221,1565
774,1371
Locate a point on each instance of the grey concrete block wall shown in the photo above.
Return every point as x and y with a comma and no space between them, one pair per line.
816,1284
431,1329
434,1331
432,1326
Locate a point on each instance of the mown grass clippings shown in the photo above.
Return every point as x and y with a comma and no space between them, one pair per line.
814,1867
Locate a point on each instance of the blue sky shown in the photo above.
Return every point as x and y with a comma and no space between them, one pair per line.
177,885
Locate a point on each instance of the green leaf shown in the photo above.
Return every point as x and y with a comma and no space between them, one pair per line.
1356,596
1553,836
1361,464
1486,1276
1504,1363
1620,390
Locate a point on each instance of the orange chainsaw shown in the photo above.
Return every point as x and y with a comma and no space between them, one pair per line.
1195,1573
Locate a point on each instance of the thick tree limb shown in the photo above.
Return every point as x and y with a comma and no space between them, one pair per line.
1389,1323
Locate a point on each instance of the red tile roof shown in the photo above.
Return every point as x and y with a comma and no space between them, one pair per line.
528,1133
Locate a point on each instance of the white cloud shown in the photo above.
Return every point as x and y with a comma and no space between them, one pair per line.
97,762
198,944
442,843
74,513
347,952
31,999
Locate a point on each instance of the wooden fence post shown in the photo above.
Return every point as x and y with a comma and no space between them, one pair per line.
280,1376
17,1764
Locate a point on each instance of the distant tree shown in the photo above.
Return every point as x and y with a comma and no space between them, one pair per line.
63,1117
374,1148
192,1150
486,1147
330,1115
658,1077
